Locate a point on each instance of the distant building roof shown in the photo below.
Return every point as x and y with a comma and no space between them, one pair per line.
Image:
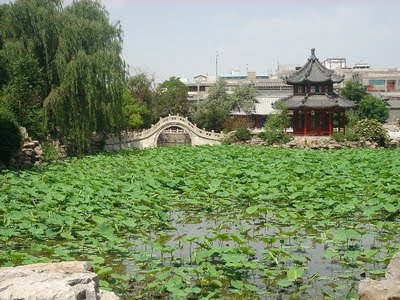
313,71
233,76
263,107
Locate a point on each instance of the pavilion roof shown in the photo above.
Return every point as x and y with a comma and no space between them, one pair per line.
316,101
314,72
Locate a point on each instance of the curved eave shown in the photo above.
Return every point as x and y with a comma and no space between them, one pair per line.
317,101
292,82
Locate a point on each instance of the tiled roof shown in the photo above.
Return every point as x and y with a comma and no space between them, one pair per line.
317,101
313,71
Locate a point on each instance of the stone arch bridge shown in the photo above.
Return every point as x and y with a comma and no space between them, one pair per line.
149,137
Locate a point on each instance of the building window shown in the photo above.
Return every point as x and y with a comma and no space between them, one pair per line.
377,82
312,90
202,88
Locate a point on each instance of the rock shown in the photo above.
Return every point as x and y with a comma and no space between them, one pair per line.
385,289
24,133
56,281
104,295
38,150
29,145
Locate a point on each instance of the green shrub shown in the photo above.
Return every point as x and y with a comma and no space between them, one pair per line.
352,136
371,107
275,137
243,134
50,153
373,131
338,137
229,139
10,136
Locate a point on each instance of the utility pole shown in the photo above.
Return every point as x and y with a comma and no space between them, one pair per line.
216,65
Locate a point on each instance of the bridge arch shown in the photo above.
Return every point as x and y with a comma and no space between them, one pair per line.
168,126
149,137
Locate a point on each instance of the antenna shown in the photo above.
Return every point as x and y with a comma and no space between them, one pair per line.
216,64
277,70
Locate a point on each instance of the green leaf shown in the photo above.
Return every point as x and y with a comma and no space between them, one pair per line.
294,273
251,210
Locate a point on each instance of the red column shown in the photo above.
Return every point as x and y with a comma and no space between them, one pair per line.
305,122
330,123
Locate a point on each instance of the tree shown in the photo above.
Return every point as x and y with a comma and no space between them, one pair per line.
371,107
171,98
78,56
244,98
212,114
138,101
141,88
354,91
136,114
24,93
218,106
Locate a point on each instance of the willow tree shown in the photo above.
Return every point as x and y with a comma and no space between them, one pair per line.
78,53
91,75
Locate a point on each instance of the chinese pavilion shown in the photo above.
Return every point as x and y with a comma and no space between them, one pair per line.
316,109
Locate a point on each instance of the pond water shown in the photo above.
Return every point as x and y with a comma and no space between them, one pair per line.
273,248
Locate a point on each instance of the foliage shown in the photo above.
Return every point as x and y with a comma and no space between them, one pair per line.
243,134
212,221
243,98
352,117
10,136
171,98
136,114
141,88
210,118
50,152
215,111
64,68
275,137
24,94
279,120
339,137
350,136
274,127
373,131
354,91
371,107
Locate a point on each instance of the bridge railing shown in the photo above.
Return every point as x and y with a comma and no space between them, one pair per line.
128,136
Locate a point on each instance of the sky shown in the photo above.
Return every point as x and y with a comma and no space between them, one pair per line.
181,37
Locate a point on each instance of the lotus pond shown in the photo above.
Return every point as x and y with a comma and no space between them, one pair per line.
220,222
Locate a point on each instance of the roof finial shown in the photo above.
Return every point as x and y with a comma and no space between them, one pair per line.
312,52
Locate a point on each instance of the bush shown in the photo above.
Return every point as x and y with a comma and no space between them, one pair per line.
243,134
373,131
10,136
338,137
371,107
50,153
352,136
275,137
229,139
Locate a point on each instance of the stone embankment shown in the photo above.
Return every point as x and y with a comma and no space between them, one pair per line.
31,153
53,281
385,289
315,143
